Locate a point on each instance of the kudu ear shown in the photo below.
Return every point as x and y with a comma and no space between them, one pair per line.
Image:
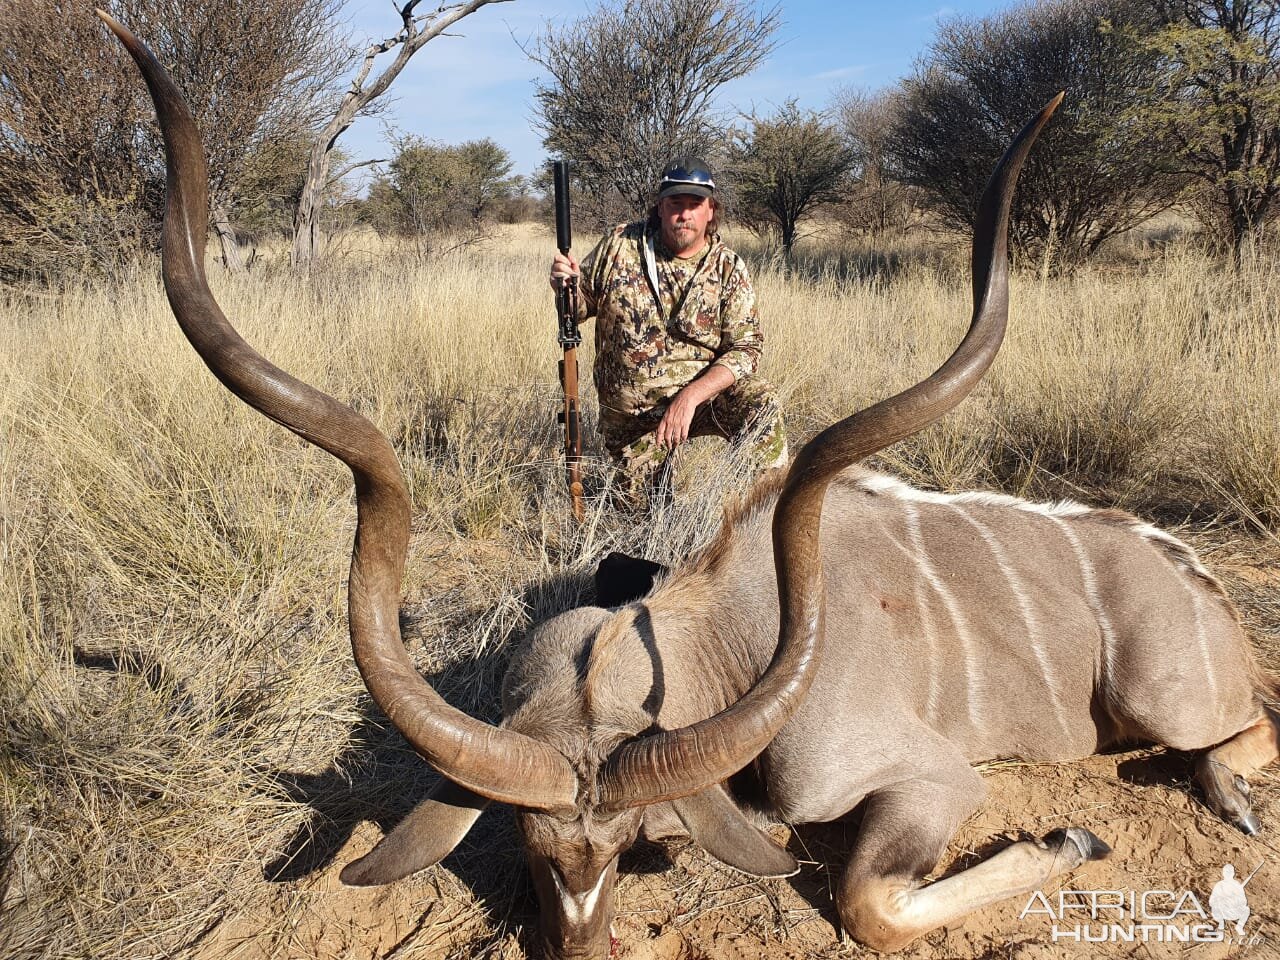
425,837
714,820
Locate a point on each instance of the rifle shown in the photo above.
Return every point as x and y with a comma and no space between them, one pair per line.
567,309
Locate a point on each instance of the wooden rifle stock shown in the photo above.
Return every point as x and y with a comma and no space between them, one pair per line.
567,309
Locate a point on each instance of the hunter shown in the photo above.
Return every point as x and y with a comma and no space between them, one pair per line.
678,341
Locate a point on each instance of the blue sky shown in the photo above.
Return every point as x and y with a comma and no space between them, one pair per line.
478,83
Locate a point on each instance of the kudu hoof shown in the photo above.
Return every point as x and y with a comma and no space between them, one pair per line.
1245,819
1227,795
1087,844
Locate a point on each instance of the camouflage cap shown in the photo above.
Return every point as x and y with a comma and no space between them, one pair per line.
686,174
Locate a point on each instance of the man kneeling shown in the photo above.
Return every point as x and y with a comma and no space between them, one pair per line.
678,340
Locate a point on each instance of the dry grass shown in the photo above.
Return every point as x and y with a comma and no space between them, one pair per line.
179,708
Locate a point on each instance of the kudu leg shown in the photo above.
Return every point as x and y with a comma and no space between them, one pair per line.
883,899
1221,771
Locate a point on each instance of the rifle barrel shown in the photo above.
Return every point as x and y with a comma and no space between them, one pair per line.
566,307
564,232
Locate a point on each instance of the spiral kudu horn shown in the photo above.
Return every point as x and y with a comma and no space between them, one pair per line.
495,763
676,763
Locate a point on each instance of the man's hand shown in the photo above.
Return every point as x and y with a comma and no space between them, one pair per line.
563,267
673,429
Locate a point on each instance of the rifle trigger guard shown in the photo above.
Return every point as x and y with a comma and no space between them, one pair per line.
567,307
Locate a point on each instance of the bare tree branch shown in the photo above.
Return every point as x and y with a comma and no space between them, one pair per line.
415,32
352,168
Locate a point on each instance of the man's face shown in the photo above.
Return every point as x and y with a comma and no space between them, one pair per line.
684,222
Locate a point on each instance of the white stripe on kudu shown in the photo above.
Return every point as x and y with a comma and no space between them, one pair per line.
1094,598
958,619
578,907
1035,632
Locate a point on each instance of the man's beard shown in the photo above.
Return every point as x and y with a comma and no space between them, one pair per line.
685,235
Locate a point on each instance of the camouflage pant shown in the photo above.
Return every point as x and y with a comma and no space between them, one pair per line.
748,410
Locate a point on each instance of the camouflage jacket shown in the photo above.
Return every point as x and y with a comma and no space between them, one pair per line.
648,347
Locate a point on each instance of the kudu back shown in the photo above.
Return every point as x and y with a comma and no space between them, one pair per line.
951,629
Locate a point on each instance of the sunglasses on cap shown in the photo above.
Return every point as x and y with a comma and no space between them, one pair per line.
679,175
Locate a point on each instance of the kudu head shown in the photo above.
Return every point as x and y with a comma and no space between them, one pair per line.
579,778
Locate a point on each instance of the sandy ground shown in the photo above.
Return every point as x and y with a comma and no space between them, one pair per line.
678,904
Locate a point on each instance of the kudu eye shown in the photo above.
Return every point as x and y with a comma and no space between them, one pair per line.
604,815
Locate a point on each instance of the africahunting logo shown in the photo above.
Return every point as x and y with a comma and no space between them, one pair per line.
1148,916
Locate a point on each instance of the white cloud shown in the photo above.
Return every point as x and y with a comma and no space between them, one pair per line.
842,73
937,15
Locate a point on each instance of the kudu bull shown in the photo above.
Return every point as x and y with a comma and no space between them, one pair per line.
952,629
